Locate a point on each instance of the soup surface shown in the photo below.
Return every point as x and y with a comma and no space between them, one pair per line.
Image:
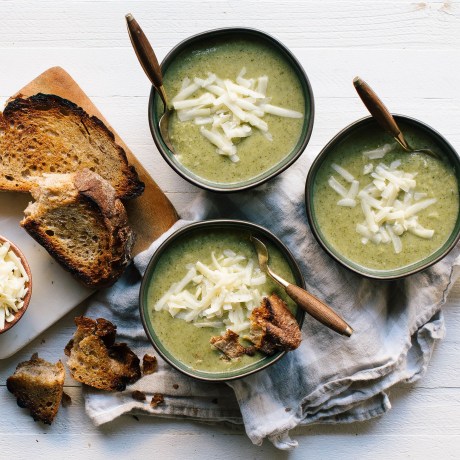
434,179
257,154
183,340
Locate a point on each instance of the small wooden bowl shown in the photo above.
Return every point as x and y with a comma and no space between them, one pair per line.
26,299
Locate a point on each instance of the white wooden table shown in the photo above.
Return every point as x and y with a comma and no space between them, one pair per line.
408,51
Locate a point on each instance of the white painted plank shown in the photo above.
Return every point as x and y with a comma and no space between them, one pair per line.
354,24
401,431
402,73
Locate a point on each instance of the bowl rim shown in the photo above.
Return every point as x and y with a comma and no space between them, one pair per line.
392,274
185,173
216,224
26,299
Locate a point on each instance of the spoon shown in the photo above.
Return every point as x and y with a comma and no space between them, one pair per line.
383,117
301,297
152,69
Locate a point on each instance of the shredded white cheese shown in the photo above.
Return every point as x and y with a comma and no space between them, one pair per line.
13,279
389,203
221,294
379,152
231,109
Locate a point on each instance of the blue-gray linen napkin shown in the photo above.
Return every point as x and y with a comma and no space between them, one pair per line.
329,378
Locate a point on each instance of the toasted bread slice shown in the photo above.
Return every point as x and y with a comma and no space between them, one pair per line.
96,360
81,223
47,134
38,386
273,327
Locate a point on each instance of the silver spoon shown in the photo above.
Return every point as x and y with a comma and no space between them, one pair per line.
308,302
152,69
383,116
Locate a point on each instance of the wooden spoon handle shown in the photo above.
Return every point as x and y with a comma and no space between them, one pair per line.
144,52
376,107
318,310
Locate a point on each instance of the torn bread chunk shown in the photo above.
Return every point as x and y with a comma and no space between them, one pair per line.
273,327
38,386
96,360
228,344
79,220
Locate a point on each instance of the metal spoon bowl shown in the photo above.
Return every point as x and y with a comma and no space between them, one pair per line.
384,118
308,302
152,69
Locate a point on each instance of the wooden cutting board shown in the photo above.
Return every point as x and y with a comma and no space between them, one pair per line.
152,213
54,291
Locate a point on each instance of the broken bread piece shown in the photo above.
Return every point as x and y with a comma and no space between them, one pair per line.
80,222
273,327
229,345
45,133
38,386
96,360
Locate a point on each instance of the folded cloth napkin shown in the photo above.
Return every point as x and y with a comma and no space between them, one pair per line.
329,378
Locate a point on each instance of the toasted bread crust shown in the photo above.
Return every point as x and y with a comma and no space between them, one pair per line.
95,360
23,113
273,327
38,386
95,198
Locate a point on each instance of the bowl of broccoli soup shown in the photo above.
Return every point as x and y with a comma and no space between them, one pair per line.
378,210
200,293
243,109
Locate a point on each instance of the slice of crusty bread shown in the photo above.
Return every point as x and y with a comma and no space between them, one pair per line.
273,327
47,134
38,385
96,360
81,223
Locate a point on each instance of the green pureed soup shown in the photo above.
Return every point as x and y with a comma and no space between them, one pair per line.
226,57
435,179
184,341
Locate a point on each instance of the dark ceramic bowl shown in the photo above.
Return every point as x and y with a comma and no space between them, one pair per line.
26,299
445,149
156,109
197,228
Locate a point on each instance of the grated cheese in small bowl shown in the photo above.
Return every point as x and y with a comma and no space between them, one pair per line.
230,109
221,294
14,284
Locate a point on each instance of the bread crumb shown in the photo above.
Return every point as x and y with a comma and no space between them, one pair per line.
157,399
149,364
138,395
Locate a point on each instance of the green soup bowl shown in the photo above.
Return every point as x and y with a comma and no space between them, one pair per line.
351,134
195,232
259,170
